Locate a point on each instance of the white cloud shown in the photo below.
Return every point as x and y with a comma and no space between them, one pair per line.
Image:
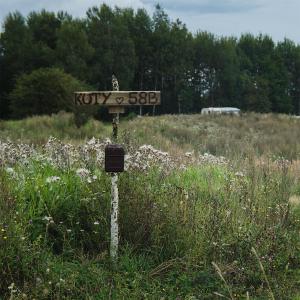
278,18
208,6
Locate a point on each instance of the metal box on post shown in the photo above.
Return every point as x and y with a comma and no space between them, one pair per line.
114,158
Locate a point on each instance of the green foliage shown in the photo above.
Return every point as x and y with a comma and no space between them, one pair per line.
114,48
152,53
55,234
73,49
44,91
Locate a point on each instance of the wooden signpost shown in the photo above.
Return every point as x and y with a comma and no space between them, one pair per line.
116,101
117,98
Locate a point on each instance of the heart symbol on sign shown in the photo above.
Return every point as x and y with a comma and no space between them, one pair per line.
119,100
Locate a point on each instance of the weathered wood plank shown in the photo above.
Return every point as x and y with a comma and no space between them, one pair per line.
117,98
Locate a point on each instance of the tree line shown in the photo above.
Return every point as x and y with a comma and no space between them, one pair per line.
46,56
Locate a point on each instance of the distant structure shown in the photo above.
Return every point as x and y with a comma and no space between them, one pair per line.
220,111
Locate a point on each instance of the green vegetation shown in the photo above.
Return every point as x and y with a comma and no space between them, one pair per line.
193,226
149,53
44,91
265,135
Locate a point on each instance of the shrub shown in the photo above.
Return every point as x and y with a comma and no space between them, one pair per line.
44,91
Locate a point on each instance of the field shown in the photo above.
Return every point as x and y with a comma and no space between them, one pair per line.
209,208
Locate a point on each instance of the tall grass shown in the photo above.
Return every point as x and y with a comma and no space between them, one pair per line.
187,232
234,137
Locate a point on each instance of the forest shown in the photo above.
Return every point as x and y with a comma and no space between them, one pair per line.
46,56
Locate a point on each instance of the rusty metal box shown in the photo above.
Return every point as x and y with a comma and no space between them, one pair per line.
114,158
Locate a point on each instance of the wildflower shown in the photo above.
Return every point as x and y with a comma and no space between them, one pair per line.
45,291
228,213
96,223
69,230
82,173
38,280
48,219
10,171
239,174
11,287
189,154
52,179
91,142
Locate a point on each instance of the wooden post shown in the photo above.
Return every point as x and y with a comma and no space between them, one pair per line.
116,101
114,222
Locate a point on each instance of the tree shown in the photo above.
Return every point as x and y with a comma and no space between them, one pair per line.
204,75
43,27
114,49
257,68
44,91
227,72
73,50
180,62
141,33
15,47
289,54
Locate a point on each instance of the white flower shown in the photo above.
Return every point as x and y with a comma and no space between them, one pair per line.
10,171
52,179
48,219
189,154
96,223
91,142
82,173
239,174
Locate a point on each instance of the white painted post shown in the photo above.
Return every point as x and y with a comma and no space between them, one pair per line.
114,230
114,224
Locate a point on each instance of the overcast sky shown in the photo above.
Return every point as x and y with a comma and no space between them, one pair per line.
278,18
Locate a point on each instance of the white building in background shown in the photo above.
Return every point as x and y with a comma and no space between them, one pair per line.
221,111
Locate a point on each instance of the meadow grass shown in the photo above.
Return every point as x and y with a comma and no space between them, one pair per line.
234,137
205,228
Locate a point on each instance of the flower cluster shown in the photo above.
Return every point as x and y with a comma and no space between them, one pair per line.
82,158
146,157
11,153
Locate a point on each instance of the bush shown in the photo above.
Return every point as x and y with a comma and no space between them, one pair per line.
44,91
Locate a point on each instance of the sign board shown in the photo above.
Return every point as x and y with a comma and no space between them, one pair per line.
117,98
